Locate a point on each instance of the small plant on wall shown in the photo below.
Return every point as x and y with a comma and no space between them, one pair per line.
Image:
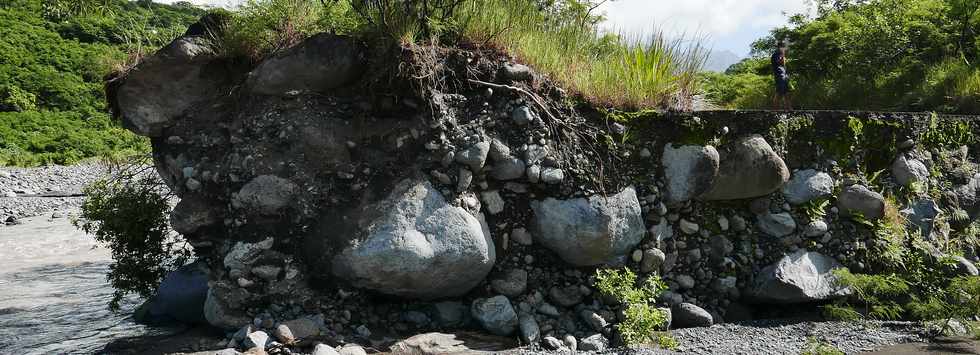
642,319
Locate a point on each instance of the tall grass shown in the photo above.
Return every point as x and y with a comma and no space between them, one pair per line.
626,71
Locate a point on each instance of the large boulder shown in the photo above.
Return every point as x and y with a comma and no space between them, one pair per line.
318,64
687,315
266,195
689,171
496,315
179,298
219,315
192,213
162,87
968,196
594,231
442,344
907,171
857,199
801,277
808,185
749,168
416,245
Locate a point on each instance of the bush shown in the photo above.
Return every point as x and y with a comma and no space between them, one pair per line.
127,212
642,318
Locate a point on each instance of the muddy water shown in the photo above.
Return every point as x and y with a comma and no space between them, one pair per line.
53,291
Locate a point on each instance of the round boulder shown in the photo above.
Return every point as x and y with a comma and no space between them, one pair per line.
857,199
749,168
416,245
320,63
808,185
690,171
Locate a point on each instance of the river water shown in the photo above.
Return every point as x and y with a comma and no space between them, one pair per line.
53,291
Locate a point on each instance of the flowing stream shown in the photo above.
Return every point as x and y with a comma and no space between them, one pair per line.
53,291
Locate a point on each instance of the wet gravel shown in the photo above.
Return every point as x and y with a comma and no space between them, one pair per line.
53,190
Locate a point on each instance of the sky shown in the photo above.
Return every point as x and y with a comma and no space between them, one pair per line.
727,24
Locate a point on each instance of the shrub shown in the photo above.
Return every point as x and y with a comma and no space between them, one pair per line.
127,212
816,347
642,318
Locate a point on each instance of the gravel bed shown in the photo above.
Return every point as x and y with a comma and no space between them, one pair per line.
22,190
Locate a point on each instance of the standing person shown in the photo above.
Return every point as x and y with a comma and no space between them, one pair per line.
781,99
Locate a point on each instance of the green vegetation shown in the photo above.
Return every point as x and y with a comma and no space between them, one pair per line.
642,318
815,347
53,57
916,55
127,213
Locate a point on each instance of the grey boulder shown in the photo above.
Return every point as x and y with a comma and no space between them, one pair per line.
687,315
801,277
511,283
266,195
907,171
496,315
416,245
192,213
965,267
218,314
922,215
689,171
776,224
857,199
594,342
475,156
162,87
593,231
808,185
749,168
320,63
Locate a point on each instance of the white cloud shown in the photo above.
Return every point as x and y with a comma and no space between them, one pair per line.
730,24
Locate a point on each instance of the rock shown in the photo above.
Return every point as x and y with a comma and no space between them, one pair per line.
324,349
965,267
857,199
496,315
267,272
662,231
192,213
776,224
530,332
689,171
522,116
815,229
593,231
450,314
738,223
475,156
922,215
499,150
257,339
653,259
516,72
595,342
511,284
637,256
284,334
567,296
521,236
301,329
533,174
685,281
416,245
720,247
465,179
801,277
352,349
570,342
219,316
244,254
687,315
808,185
179,298
723,223
593,319
266,195
442,344
551,343
415,318
749,168
320,63
689,227
907,171
165,85
509,169
552,175
492,201
548,310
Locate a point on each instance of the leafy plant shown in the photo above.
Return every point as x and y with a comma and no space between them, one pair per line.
127,212
642,318
816,347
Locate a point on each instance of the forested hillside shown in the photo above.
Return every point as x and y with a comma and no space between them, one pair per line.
53,58
913,55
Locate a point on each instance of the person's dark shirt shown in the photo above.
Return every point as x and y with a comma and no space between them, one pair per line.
779,65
